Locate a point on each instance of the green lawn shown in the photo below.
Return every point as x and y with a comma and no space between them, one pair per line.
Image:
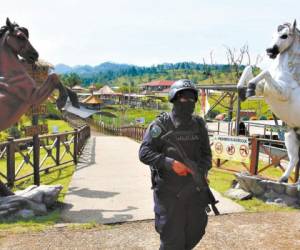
128,116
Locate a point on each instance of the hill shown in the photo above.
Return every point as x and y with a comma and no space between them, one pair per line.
132,75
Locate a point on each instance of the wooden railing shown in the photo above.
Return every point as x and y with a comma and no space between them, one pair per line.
18,159
275,153
134,132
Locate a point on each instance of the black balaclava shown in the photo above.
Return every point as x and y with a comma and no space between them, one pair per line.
183,111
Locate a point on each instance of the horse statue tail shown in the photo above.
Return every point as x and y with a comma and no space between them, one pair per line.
64,94
73,98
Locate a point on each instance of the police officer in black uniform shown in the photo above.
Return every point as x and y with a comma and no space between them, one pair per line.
179,206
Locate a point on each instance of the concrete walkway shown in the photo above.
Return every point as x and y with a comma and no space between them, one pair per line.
111,185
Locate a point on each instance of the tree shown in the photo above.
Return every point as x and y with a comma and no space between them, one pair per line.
71,79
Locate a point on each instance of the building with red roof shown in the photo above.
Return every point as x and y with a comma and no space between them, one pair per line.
157,86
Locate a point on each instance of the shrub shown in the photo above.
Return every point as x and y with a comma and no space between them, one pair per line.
253,118
263,117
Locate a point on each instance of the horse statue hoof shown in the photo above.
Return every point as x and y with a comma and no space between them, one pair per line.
283,180
250,93
242,94
250,90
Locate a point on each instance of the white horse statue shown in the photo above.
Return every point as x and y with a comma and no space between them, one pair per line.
280,86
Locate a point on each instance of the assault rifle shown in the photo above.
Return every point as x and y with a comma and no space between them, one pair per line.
198,175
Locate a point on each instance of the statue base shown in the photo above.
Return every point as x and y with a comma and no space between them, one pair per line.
272,192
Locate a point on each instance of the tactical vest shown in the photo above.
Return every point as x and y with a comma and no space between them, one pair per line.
189,137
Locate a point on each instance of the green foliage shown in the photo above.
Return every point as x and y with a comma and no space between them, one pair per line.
14,132
70,79
53,112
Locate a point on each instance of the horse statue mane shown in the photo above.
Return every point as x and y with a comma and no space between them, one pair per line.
5,28
280,86
18,91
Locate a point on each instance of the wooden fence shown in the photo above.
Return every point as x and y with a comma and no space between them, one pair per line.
134,132
24,158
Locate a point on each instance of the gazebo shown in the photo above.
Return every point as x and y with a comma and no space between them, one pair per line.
78,89
105,90
107,94
92,102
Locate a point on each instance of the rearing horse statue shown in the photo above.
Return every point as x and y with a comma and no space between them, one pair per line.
280,86
18,91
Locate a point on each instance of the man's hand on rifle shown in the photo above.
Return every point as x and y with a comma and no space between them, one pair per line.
180,169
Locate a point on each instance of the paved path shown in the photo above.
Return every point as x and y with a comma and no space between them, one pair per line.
111,185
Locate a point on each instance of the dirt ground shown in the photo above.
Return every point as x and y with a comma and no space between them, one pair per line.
272,230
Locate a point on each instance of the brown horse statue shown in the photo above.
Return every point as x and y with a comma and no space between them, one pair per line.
18,91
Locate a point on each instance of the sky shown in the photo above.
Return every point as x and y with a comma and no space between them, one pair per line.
144,33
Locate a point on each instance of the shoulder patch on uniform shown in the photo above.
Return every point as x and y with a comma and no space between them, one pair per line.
155,131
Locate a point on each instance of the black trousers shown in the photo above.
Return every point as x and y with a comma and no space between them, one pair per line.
180,220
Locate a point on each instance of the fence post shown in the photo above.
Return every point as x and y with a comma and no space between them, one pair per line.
297,169
36,160
218,163
75,152
57,145
10,160
254,155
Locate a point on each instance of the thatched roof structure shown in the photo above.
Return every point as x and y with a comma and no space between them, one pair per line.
39,70
78,88
92,100
105,90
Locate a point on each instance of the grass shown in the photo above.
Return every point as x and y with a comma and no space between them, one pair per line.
128,116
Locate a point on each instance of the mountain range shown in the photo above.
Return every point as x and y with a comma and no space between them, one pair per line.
89,70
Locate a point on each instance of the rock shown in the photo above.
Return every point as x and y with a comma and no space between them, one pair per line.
256,189
291,190
34,200
51,194
25,213
277,187
26,190
264,184
271,195
289,201
243,185
246,181
238,194
279,200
